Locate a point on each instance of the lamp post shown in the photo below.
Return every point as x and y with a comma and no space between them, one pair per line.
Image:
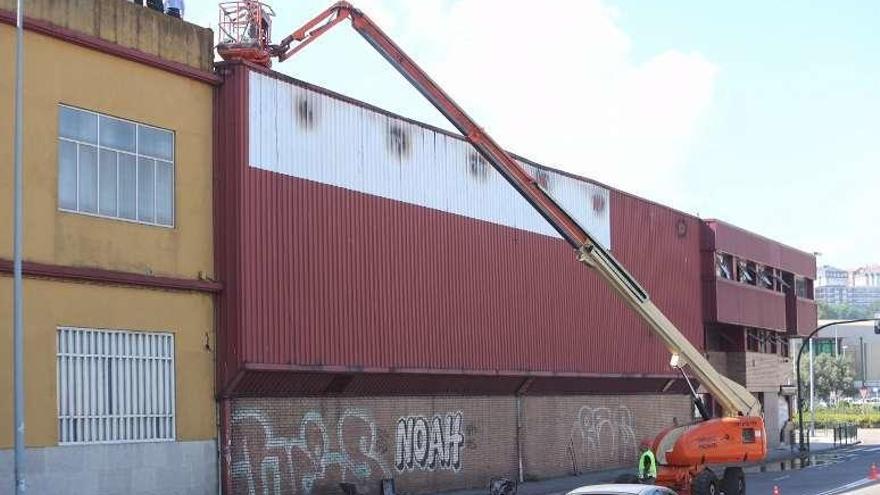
802,447
17,307
812,393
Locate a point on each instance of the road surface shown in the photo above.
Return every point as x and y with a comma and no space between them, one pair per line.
842,471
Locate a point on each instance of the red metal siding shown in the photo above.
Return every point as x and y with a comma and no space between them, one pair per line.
807,317
230,152
317,275
339,278
741,304
754,247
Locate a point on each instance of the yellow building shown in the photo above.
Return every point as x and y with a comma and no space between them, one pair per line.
118,258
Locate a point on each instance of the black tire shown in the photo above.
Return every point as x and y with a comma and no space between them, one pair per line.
627,479
733,482
705,483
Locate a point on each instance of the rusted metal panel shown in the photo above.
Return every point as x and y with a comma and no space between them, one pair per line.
734,240
741,304
324,267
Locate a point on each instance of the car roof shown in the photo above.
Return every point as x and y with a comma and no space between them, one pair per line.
615,489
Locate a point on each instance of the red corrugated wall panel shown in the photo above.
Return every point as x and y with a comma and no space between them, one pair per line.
734,240
807,317
741,304
318,275
230,151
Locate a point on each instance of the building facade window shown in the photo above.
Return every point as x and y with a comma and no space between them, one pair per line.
724,266
115,168
115,386
766,277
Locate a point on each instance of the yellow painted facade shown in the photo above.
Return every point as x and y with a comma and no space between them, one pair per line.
50,304
129,25
60,72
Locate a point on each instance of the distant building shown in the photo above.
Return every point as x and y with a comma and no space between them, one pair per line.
858,342
860,287
866,276
829,276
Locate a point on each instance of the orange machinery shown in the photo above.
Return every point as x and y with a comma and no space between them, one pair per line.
684,453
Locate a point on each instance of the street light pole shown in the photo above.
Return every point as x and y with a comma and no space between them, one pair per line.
812,393
836,344
17,307
800,401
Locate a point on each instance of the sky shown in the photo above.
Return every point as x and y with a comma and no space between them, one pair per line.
762,114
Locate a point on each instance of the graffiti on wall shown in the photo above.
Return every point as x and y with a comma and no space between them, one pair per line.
315,458
603,434
429,443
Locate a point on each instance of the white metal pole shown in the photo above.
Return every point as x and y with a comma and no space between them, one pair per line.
18,330
836,343
812,394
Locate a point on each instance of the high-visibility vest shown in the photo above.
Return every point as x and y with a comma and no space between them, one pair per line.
647,465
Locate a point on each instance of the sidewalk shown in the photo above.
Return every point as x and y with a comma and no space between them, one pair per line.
559,486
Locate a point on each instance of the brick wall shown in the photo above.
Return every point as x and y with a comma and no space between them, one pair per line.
569,434
718,360
766,372
758,372
309,445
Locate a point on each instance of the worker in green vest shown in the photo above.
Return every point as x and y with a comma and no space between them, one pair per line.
647,465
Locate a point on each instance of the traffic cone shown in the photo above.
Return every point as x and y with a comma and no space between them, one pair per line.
873,474
775,490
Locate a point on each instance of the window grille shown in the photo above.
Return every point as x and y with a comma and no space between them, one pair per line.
115,386
115,168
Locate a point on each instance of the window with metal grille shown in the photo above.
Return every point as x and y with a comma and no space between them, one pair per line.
115,168
115,386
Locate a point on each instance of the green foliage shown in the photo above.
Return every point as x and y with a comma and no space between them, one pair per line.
845,311
834,375
862,416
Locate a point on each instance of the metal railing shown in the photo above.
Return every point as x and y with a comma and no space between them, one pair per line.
845,433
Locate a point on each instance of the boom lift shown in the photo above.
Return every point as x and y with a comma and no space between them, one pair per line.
683,452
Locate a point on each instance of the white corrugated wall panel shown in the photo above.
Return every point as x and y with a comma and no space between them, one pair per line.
310,135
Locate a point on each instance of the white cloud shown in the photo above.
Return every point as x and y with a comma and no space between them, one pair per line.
556,82
552,80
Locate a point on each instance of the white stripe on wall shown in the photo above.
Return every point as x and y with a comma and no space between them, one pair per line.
302,133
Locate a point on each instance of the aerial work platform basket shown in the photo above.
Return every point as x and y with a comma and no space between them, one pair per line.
245,31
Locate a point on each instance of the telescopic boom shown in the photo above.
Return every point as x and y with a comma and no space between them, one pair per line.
734,399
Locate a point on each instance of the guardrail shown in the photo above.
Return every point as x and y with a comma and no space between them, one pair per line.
845,433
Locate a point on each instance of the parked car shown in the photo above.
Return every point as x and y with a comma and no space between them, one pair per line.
621,490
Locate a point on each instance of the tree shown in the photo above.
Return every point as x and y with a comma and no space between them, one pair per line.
834,375
845,311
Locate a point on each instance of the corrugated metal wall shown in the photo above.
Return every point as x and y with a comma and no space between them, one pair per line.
741,304
299,132
731,302
734,240
322,270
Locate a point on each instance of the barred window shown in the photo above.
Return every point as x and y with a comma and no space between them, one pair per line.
115,168
115,386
